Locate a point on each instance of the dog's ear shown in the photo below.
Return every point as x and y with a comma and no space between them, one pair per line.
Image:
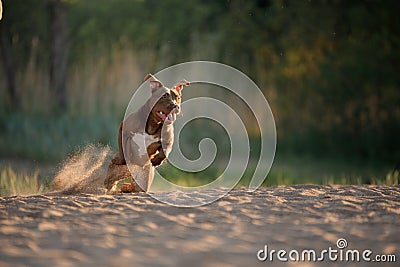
180,86
154,83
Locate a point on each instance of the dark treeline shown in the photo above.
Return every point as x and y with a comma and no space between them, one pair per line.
328,68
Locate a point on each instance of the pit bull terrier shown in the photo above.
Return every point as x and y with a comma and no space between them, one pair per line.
146,137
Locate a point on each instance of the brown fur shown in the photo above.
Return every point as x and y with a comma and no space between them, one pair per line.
156,117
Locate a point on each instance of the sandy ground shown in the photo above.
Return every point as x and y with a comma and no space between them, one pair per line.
136,230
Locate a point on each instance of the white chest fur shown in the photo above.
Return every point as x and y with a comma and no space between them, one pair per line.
143,141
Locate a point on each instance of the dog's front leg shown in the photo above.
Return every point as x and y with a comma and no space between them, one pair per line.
159,157
163,152
164,146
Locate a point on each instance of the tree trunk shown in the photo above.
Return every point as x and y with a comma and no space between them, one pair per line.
8,66
58,52
1,10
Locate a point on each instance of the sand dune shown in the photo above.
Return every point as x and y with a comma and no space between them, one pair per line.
136,230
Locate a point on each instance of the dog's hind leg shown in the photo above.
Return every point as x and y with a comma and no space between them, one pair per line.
115,174
142,178
117,170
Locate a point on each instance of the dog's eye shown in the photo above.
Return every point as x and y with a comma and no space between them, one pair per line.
176,97
165,96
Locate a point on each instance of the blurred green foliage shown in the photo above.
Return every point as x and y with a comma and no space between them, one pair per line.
329,69
12,183
51,139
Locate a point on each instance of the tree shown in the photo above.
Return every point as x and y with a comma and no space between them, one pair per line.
58,51
8,63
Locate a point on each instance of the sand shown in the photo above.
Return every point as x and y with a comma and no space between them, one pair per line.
136,230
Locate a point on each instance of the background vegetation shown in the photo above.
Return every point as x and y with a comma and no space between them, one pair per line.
329,70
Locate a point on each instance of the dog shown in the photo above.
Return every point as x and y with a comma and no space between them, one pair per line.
145,137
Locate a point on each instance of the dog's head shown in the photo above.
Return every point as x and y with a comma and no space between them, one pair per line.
168,100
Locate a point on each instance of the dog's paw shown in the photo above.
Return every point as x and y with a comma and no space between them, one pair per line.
130,188
112,192
127,188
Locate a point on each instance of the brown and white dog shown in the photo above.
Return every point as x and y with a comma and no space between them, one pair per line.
145,138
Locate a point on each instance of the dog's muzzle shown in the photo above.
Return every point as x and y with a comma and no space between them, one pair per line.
171,116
